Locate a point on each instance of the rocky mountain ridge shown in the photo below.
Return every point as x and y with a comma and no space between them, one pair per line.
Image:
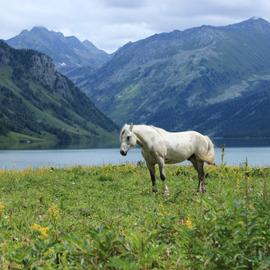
68,52
42,105
212,79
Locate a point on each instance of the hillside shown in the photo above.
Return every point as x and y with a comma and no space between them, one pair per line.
68,53
211,79
39,106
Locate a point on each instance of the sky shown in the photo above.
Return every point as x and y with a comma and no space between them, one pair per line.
109,24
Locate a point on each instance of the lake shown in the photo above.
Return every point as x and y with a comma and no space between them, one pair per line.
18,159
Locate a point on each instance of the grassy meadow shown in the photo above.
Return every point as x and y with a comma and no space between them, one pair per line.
108,218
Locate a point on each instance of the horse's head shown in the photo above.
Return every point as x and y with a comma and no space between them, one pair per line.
127,139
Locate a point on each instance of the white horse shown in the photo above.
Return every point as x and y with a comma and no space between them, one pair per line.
160,147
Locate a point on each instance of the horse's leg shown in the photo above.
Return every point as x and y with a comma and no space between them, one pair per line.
201,173
151,168
195,164
161,165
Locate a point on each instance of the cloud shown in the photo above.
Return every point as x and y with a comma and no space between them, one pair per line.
109,24
124,3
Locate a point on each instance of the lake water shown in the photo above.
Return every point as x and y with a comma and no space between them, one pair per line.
18,159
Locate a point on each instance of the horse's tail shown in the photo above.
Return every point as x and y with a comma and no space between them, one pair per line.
209,156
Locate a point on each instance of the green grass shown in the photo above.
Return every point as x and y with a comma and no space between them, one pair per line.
108,218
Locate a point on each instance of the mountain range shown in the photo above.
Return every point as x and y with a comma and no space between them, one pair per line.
68,53
215,80
212,79
41,107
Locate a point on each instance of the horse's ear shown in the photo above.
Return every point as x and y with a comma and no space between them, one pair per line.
131,127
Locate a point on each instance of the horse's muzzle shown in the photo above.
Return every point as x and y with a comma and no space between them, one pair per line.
123,153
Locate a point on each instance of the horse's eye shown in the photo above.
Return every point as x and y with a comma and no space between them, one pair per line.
128,137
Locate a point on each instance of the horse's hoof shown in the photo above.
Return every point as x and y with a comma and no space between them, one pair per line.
154,190
201,190
166,192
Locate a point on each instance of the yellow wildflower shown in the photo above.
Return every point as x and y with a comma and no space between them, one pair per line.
2,208
43,231
188,223
54,211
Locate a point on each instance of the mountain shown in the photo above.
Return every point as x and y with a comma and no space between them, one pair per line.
39,106
212,79
68,53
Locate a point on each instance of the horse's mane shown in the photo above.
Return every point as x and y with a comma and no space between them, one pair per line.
160,131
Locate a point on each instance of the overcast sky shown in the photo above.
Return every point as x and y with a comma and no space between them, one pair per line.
110,24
